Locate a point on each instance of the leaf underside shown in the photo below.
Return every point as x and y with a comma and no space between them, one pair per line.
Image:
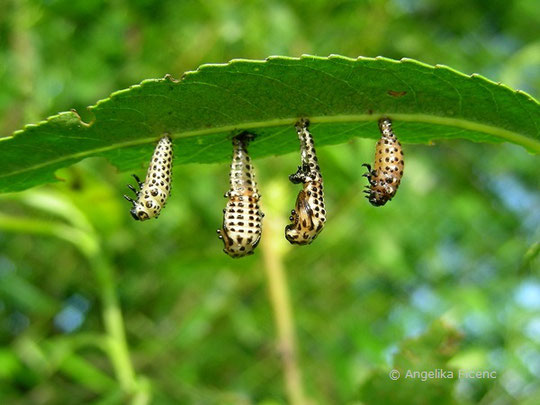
342,97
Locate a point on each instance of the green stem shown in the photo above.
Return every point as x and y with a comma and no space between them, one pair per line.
281,303
138,388
114,324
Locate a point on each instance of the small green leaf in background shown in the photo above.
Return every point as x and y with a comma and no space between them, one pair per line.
343,97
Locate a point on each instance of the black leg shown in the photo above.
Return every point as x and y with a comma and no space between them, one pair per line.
131,200
133,189
139,182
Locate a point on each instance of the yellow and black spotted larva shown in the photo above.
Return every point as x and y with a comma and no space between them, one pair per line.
242,218
155,190
386,175
309,215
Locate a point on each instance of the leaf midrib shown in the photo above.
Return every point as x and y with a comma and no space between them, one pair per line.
504,134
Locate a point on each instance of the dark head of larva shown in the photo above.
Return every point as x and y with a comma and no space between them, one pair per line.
139,214
378,198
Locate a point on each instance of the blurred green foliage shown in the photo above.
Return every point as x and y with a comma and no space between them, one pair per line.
444,276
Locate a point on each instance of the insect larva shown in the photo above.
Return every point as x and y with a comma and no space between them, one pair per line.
309,215
153,193
386,175
242,218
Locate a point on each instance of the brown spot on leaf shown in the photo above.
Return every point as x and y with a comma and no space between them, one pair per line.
394,93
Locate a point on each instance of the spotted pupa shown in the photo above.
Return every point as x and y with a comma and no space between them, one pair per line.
153,193
242,217
386,175
309,215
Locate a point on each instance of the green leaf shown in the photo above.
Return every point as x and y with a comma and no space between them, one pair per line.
343,98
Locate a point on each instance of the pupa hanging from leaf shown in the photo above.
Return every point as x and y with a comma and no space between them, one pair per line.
309,215
242,217
153,193
385,177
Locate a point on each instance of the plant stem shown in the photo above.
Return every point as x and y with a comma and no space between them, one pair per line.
281,305
114,324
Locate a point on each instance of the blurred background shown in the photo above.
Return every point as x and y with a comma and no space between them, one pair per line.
445,276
